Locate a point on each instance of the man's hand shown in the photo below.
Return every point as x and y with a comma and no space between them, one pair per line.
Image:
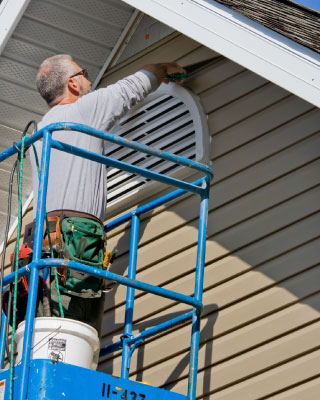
166,72
175,73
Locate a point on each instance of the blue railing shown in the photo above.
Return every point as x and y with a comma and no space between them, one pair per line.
129,341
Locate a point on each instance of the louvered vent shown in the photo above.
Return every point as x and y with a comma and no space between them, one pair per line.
169,120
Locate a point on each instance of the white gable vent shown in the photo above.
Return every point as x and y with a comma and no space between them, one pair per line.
170,119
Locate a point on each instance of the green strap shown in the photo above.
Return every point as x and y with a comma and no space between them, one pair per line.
15,293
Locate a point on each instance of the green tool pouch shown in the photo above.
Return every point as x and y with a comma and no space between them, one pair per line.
83,242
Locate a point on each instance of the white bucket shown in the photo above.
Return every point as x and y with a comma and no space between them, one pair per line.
60,340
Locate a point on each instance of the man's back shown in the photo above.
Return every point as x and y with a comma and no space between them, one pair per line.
74,182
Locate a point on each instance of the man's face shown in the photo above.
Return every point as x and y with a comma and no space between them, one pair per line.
85,84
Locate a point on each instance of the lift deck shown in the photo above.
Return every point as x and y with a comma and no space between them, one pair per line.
41,379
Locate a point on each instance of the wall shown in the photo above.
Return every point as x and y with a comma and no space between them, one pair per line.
260,325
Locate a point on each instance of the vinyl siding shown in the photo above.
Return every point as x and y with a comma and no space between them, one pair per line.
260,325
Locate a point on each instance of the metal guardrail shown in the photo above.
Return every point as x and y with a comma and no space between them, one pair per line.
129,341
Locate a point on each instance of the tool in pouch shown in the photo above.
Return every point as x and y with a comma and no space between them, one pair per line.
109,257
25,256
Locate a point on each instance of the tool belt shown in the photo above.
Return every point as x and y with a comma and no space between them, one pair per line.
74,236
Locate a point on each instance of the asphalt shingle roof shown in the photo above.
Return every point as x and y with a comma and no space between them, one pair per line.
289,19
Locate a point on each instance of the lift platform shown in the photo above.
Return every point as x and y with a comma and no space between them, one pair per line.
42,379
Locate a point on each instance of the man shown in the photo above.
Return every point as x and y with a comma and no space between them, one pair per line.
77,186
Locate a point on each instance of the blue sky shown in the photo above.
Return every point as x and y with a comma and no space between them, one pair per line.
314,4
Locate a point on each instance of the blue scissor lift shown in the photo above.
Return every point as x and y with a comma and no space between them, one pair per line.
42,379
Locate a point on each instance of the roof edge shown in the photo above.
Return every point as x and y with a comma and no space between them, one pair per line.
259,49
293,3
295,23
10,14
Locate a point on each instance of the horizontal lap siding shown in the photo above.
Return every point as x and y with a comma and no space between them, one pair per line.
260,325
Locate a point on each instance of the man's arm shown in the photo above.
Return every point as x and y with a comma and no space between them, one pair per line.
161,70
103,107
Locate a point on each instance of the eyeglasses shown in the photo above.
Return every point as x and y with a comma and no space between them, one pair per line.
83,72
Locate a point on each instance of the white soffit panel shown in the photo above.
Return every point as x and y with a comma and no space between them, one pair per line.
261,50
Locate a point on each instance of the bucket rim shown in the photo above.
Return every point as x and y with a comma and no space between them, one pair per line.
93,340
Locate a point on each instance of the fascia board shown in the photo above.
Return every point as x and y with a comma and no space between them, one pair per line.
257,48
10,13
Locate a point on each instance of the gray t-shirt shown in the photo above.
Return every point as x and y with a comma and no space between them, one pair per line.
76,183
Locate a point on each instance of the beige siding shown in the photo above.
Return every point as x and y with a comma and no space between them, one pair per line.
260,325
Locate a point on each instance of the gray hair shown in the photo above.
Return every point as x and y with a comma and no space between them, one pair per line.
52,77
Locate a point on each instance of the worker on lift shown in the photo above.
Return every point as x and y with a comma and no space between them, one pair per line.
76,194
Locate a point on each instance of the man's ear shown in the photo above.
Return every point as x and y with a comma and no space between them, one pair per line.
73,86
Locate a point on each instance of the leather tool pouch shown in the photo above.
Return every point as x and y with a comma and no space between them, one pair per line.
55,234
56,242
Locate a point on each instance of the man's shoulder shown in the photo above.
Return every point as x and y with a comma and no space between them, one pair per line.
56,114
